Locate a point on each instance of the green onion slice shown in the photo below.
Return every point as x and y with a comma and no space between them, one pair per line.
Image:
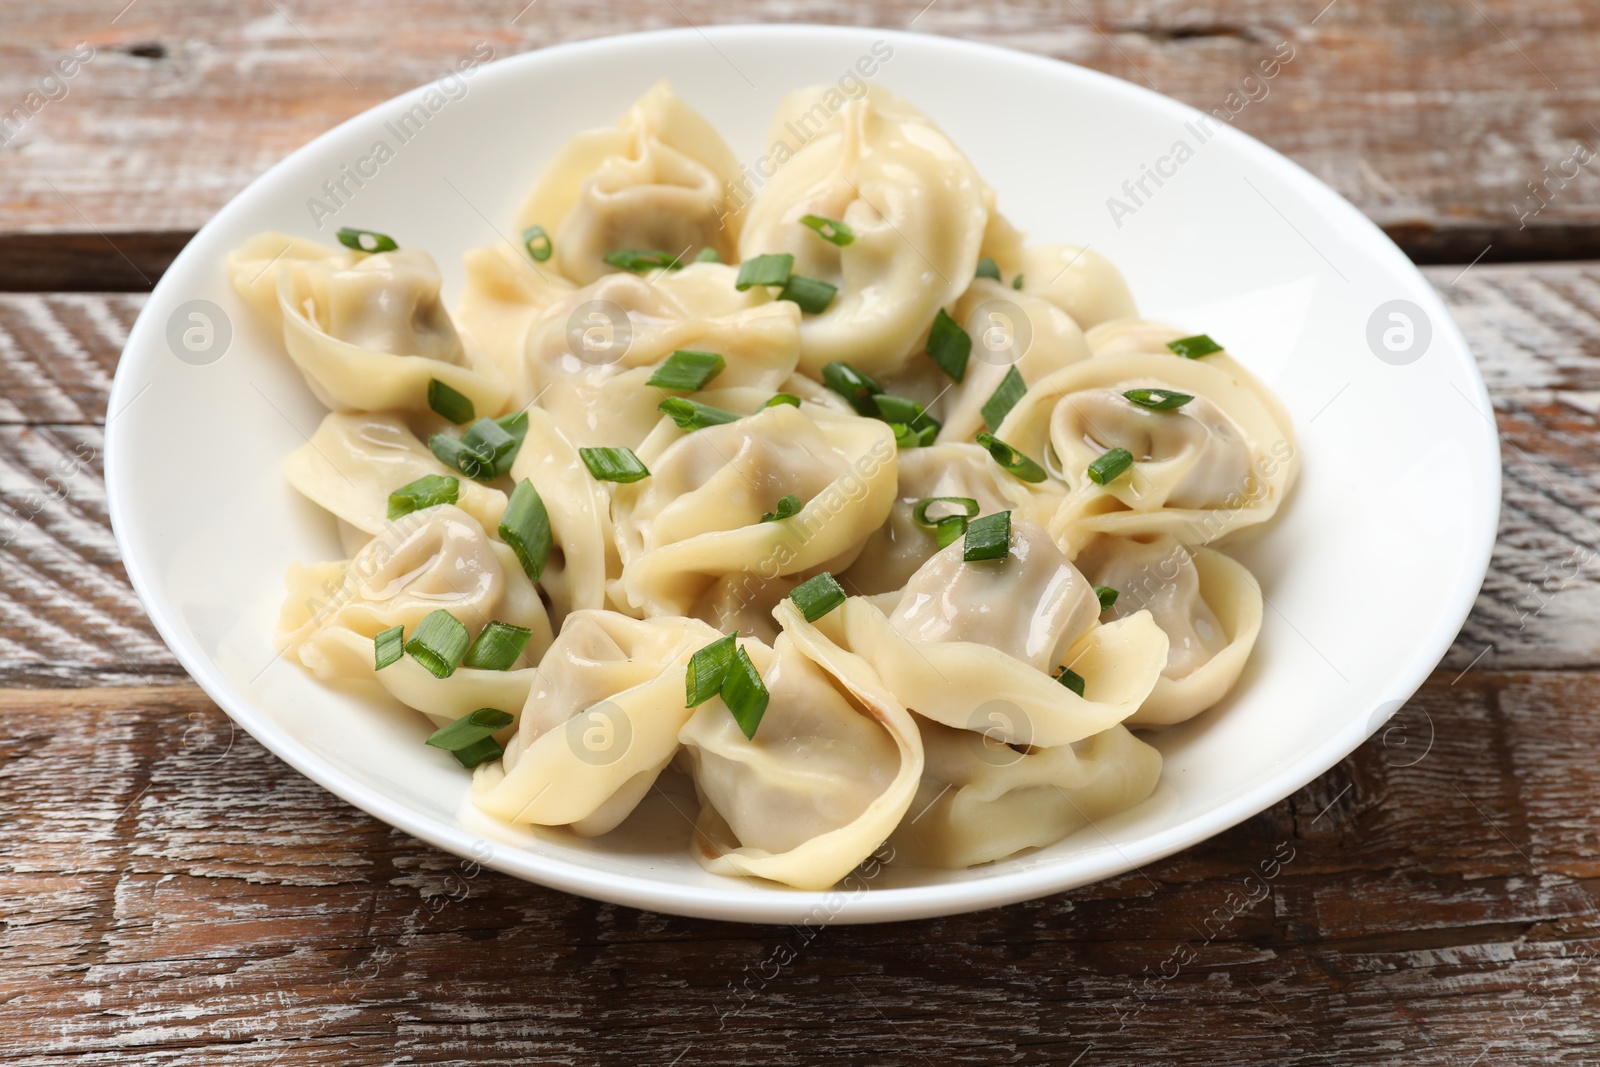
457,407
1016,283
912,437
439,642
818,596
613,464
693,415
470,739
771,269
1194,347
1109,466
812,295
687,371
745,693
537,242
1107,596
831,230
782,398
1012,460
949,346
388,647
707,669
946,528
497,647
1071,679
893,408
988,268
854,386
1004,398
988,538
919,514
428,491
525,526
486,450
787,506
707,255
366,240
1157,399
639,260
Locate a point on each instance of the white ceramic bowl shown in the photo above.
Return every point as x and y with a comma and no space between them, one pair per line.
1369,570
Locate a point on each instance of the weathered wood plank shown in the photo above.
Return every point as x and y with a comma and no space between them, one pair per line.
1440,120
1535,329
172,891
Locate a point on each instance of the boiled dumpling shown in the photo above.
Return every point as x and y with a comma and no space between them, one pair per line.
1220,462
981,800
829,774
353,462
439,557
657,181
915,205
601,723
590,355
1079,281
370,335
698,516
969,640
1208,605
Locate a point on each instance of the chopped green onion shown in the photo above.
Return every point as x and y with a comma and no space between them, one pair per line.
1016,283
949,346
481,752
893,408
388,647
707,668
486,450
1071,679
525,526
854,386
830,230
613,464
1106,595
988,538
439,642
1109,466
497,647
470,739
638,260
428,491
1158,399
1194,347
1012,460
782,398
968,506
787,506
687,371
693,415
818,596
947,528
366,240
988,268
537,242
707,255
948,531
812,295
745,693
1004,398
457,407
913,437
771,269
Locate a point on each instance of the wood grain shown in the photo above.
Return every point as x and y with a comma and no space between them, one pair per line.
1438,119
175,894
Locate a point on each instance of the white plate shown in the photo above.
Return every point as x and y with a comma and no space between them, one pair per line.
1369,570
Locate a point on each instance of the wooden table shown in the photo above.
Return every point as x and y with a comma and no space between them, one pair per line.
171,894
